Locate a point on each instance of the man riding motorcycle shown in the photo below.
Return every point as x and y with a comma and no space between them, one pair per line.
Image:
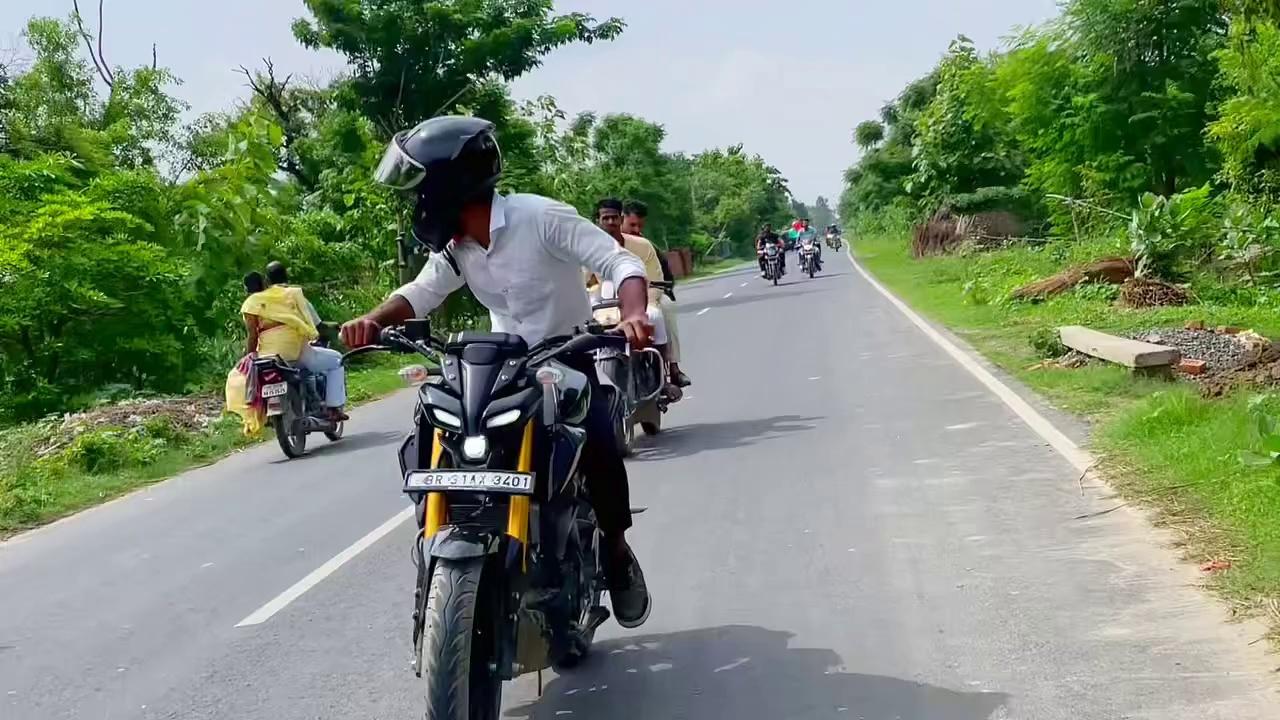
609,212
522,257
806,230
768,236
634,216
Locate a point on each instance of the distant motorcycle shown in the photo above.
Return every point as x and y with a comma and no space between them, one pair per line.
636,380
772,257
808,256
834,240
294,400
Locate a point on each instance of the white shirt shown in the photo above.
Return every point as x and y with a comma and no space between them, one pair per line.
530,277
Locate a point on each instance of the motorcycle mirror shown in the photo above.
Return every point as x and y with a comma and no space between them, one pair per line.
418,329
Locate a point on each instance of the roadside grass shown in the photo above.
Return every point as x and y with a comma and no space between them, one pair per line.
1160,443
105,463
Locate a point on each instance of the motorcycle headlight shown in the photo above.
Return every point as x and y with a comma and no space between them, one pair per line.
447,419
503,419
475,447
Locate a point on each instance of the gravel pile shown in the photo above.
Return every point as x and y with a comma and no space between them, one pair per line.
1220,352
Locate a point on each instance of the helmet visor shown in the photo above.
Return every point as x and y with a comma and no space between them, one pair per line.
397,170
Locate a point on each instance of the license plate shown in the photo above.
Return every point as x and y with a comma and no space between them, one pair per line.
492,481
275,390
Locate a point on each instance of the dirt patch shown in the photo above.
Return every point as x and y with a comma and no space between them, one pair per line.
189,414
1264,373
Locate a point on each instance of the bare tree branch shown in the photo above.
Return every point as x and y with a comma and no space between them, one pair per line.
154,64
88,43
273,92
101,56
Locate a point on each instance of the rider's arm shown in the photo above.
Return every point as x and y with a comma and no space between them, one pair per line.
414,299
427,291
569,236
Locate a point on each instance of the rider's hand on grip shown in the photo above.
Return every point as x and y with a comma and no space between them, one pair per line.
639,331
361,332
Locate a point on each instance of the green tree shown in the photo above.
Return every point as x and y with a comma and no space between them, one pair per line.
868,134
411,60
961,141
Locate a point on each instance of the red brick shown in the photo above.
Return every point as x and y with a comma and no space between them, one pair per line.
1191,366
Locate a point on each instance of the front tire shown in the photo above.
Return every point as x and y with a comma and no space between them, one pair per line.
457,645
652,428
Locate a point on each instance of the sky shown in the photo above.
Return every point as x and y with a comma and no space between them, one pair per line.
788,80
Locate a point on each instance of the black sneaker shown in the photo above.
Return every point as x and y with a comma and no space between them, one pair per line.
629,595
681,380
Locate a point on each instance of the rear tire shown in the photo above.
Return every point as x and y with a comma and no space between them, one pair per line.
457,646
291,434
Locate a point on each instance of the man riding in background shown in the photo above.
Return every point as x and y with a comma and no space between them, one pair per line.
522,257
319,360
806,230
768,237
609,218
634,216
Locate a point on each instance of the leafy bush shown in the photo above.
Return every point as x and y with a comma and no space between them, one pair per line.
1165,232
1047,343
101,451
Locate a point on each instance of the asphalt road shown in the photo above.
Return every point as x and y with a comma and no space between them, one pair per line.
844,524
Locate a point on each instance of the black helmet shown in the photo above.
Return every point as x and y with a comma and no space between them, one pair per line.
447,161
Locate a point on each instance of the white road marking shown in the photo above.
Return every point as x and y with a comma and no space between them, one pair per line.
1082,460
314,578
736,663
743,285
816,377
963,426
206,565
728,295
702,312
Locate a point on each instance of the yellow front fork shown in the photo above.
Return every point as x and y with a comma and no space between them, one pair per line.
518,510
436,513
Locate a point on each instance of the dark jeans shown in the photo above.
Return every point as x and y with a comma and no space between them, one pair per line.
605,473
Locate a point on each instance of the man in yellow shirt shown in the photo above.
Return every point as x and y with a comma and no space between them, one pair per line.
609,218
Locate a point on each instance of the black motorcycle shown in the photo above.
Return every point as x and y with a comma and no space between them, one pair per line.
294,400
635,380
509,577
771,260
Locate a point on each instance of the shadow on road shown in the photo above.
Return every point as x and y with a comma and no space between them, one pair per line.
686,440
740,672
